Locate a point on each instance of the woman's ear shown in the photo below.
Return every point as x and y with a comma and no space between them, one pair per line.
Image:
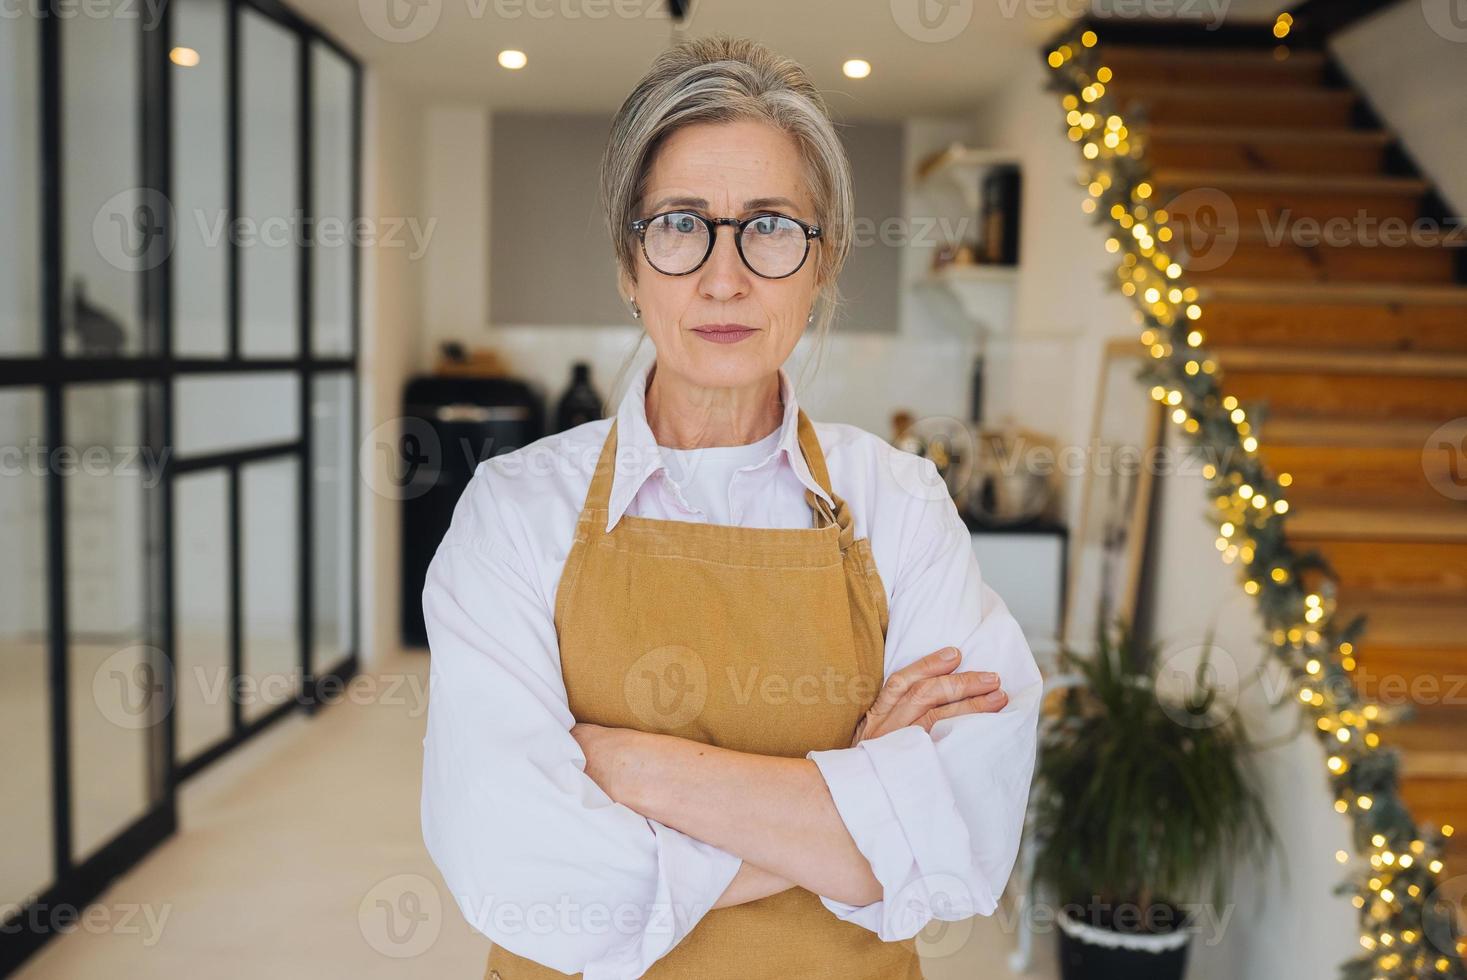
819,280
628,289
818,298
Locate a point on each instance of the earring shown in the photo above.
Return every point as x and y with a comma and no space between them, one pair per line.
636,310
811,317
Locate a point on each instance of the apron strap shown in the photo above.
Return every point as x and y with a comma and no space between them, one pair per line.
598,495
815,459
814,455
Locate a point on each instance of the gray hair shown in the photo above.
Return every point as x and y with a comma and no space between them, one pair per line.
727,79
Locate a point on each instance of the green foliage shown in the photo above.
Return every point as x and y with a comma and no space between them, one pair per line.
1143,796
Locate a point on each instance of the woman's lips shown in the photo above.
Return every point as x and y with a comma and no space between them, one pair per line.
724,333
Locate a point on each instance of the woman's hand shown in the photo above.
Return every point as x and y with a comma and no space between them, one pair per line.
601,747
927,691
621,760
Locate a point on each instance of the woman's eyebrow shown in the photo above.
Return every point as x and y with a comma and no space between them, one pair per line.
698,202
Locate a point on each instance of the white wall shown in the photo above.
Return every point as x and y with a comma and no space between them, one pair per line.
1285,920
392,325
455,193
1410,60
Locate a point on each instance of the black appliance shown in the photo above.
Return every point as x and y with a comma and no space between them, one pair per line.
450,424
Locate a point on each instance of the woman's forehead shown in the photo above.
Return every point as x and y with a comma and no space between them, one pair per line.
743,164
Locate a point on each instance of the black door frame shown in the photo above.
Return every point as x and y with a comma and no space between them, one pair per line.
53,373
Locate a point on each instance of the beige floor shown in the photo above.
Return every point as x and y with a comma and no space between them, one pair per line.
109,740
300,857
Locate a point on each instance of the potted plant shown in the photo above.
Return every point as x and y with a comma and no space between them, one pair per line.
1142,807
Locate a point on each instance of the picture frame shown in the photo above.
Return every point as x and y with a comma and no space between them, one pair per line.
1108,553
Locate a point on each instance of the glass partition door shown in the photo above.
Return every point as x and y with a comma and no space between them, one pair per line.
178,403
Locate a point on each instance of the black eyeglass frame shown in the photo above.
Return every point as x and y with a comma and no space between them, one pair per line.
639,225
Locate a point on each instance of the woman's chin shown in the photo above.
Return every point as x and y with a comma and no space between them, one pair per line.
713,364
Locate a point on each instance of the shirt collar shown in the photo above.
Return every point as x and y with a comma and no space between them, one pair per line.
638,456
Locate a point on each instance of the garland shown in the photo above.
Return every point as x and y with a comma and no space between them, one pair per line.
1407,929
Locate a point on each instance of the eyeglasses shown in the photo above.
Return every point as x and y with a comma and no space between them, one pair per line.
771,245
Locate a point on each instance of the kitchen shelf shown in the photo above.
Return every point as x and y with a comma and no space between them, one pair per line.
962,165
985,293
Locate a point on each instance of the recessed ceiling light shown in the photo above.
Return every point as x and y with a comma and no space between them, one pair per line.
512,59
184,57
856,68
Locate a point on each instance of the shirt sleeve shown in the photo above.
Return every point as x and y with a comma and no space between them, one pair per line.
536,855
940,816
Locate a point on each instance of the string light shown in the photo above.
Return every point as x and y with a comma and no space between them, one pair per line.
1401,864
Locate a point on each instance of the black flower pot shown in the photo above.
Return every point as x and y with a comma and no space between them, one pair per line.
1088,952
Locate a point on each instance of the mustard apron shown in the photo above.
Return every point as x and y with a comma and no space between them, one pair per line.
766,640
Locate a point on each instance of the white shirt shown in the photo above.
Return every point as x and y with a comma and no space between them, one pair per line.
543,862
704,477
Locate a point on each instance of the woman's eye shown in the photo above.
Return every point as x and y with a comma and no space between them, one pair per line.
684,223
766,225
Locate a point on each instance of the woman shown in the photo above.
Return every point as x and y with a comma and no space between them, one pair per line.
715,689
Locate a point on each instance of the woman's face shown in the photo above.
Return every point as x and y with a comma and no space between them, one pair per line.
724,170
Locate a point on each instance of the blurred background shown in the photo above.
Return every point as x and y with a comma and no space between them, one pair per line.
277,276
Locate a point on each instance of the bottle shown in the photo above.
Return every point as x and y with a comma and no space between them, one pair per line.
975,393
580,403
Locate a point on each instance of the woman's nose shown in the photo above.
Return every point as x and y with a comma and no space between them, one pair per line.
724,274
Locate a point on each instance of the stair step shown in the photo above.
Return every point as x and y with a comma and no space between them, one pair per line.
1288,393
1312,183
1399,622
1233,105
1347,435
1420,464
1353,294
1435,762
1267,149
1404,569
1326,321
1454,856
1436,799
1433,753
1373,524
1389,476
1434,741
1432,680
1232,202
1299,259
1346,385
1144,64
1333,362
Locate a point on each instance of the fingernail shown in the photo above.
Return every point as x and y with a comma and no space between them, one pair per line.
987,677
950,653
996,697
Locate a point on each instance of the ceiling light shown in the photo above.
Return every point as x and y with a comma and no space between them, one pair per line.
184,57
512,59
856,68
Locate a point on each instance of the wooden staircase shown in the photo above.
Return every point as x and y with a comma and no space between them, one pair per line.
1356,345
